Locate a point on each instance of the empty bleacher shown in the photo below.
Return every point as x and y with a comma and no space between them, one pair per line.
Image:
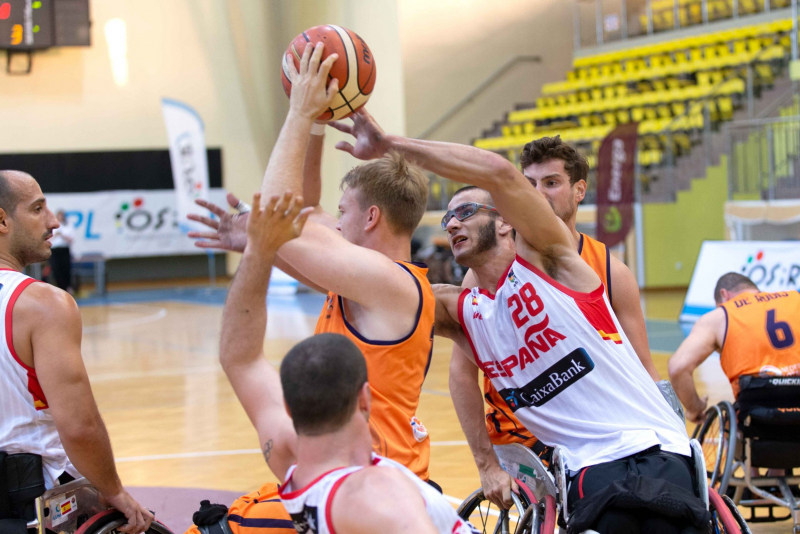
676,89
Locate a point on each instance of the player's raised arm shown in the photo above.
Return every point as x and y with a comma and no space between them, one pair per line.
244,321
516,199
311,94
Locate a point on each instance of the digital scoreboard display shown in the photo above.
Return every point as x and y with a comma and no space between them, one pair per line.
37,24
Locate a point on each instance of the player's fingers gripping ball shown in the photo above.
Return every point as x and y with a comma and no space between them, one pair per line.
354,68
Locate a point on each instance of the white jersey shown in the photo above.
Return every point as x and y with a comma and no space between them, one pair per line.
25,421
310,507
565,368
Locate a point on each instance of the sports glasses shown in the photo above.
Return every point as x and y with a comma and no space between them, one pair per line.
464,211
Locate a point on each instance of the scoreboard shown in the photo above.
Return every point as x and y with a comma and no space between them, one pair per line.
37,24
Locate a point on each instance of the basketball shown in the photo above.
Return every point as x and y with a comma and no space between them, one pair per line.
355,67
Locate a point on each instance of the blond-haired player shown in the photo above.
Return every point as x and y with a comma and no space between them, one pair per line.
376,297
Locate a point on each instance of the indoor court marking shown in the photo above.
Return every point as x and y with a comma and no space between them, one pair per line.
178,431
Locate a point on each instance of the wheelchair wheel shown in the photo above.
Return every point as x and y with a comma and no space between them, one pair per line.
486,517
109,521
725,517
717,437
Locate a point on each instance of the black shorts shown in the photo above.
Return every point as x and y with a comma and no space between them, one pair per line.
652,491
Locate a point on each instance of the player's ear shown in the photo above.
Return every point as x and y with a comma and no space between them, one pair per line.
503,228
724,296
286,407
373,216
364,399
3,221
580,190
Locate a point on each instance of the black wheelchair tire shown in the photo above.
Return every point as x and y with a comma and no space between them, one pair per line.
724,414
521,504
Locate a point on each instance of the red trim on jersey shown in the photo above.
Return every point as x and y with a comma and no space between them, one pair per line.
461,298
34,388
329,504
296,493
503,278
9,313
577,295
599,316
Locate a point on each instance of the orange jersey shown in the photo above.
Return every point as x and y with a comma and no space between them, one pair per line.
761,336
396,370
503,426
259,512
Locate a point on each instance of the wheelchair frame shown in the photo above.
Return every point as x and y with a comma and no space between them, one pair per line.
547,492
70,508
730,441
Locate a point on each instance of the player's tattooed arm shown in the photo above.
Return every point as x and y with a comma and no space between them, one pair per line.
254,380
267,450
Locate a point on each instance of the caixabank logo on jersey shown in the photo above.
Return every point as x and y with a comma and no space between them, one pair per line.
548,385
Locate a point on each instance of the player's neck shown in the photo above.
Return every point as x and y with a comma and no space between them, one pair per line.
571,224
494,266
316,455
397,248
7,261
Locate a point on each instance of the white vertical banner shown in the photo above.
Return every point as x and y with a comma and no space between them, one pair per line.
187,154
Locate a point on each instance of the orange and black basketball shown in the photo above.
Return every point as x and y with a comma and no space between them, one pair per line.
355,67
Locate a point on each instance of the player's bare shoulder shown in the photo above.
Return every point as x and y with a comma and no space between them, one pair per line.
43,310
379,496
46,306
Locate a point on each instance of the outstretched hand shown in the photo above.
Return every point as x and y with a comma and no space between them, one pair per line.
228,232
370,140
311,92
281,220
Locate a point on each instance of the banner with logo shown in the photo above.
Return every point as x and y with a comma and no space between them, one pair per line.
187,154
616,162
125,224
772,265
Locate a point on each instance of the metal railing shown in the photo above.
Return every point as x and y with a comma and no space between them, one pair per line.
764,157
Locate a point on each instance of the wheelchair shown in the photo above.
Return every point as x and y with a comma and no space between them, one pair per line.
760,431
75,508
542,500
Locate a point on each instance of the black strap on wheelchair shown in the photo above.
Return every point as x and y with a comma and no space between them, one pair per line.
21,482
212,518
5,504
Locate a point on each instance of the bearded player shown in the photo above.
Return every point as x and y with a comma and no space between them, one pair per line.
554,349
482,241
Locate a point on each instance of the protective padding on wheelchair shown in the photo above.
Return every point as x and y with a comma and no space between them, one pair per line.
521,463
110,520
768,410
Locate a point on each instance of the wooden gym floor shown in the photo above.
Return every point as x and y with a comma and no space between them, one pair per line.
175,422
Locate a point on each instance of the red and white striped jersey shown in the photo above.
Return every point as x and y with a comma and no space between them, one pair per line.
25,421
562,363
310,507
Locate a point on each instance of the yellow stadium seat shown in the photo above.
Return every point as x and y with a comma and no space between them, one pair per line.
725,106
